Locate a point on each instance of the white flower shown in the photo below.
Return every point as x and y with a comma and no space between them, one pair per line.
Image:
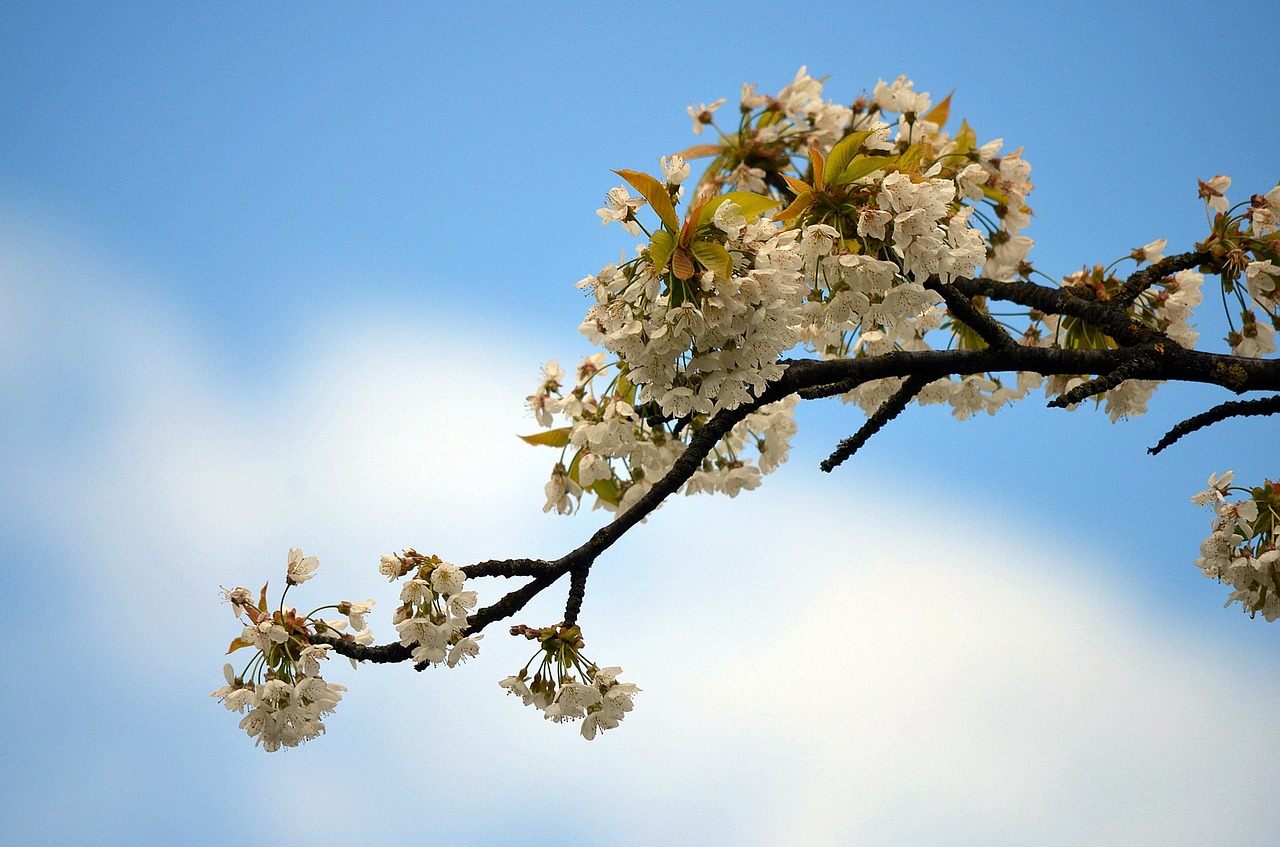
301,569
466,648
239,598
613,704
391,567
235,695
871,222
1263,282
447,579
621,206
417,591
728,218
701,114
516,685
1217,490
461,603
355,612
899,97
264,633
970,180
1214,192
751,100
1254,339
1152,252
1264,215
747,178
675,169
309,658
560,491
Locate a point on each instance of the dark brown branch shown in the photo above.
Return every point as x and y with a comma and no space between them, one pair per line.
1221,412
819,392
511,603
1140,281
889,410
1111,319
962,309
378,654
1132,369
508,568
577,592
813,379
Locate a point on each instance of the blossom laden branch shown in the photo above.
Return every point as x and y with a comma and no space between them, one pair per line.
856,234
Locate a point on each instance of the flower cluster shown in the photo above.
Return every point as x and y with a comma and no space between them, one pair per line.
835,229
567,687
1241,551
433,616
1243,241
827,226
614,447
281,692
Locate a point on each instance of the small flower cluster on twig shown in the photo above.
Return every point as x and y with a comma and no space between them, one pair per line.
566,686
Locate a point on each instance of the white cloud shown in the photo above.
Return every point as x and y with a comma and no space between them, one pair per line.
815,669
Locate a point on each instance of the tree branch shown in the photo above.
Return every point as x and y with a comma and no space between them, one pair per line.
889,410
577,592
1161,359
1140,281
1132,369
508,568
1230,409
963,309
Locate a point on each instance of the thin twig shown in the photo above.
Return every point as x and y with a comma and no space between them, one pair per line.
1131,369
1140,281
890,409
1230,409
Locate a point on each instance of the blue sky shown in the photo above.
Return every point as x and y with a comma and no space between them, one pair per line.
282,275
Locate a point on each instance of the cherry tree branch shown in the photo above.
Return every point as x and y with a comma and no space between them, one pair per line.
1135,368
812,379
963,309
1221,412
889,410
1144,353
1140,281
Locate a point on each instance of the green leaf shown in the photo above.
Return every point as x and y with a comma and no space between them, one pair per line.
698,151
819,163
750,203
992,193
656,193
573,467
844,151
909,161
236,644
624,389
551,437
939,113
606,490
661,247
861,166
803,201
797,186
769,118
714,257
262,598
966,138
